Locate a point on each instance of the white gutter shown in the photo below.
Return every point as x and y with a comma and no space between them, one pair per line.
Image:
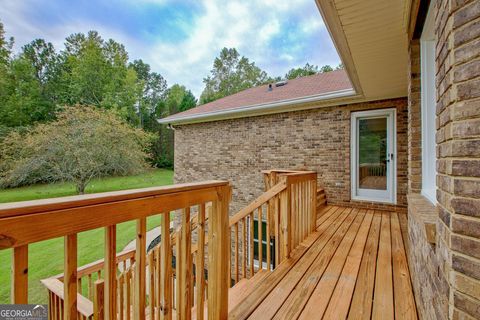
258,109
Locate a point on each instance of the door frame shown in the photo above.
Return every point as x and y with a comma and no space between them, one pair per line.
391,195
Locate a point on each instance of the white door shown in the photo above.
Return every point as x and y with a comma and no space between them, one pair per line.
373,153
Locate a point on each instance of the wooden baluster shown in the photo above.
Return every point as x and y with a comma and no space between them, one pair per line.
79,285
70,277
244,245
219,256
110,272
260,238
90,286
295,212
200,263
252,267
121,295
285,221
128,294
50,305
313,204
166,302
276,222
235,265
98,300
140,265
157,281
184,263
54,307
19,276
151,284
301,199
269,212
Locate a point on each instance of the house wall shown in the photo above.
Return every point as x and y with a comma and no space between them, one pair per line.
315,139
446,274
458,151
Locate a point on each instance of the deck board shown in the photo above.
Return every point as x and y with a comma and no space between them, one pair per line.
354,266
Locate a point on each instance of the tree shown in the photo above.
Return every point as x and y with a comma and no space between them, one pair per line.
5,46
42,56
307,70
230,74
83,143
188,101
326,68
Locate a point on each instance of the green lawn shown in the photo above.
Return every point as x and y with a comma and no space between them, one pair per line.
46,257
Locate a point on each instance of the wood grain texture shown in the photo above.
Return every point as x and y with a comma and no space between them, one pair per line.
70,280
383,295
110,272
19,274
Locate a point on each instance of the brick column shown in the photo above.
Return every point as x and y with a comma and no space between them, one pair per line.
414,120
458,152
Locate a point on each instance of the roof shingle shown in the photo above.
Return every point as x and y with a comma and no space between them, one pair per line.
317,84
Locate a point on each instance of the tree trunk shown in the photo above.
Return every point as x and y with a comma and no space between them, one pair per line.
81,185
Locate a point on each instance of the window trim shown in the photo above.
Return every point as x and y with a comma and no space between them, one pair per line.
428,106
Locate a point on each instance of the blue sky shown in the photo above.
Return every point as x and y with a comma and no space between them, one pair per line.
180,39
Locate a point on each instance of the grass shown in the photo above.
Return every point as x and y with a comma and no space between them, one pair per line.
155,177
46,257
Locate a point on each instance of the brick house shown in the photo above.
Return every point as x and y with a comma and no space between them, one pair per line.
398,129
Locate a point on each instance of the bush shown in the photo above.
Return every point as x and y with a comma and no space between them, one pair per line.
82,144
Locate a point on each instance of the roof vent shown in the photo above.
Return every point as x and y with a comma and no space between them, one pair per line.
281,83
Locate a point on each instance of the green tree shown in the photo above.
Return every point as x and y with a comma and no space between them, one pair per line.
230,74
326,68
82,144
307,70
5,46
188,101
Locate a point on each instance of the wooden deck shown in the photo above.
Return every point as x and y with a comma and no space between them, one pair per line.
353,267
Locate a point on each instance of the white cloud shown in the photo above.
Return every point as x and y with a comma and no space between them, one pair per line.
276,34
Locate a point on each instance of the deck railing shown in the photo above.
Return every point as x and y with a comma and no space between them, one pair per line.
284,215
117,284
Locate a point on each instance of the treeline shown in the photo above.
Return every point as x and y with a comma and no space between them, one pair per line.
39,81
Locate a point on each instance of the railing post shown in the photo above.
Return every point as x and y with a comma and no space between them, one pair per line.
166,270
184,263
110,272
70,277
219,256
20,275
140,265
98,300
285,220
313,204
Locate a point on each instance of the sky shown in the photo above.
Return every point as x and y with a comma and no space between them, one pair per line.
181,38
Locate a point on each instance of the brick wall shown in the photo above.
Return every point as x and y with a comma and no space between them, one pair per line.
458,151
316,139
414,121
447,273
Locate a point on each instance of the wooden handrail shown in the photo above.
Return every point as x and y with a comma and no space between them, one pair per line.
21,229
84,306
288,210
32,221
13,209
95,266
262,199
